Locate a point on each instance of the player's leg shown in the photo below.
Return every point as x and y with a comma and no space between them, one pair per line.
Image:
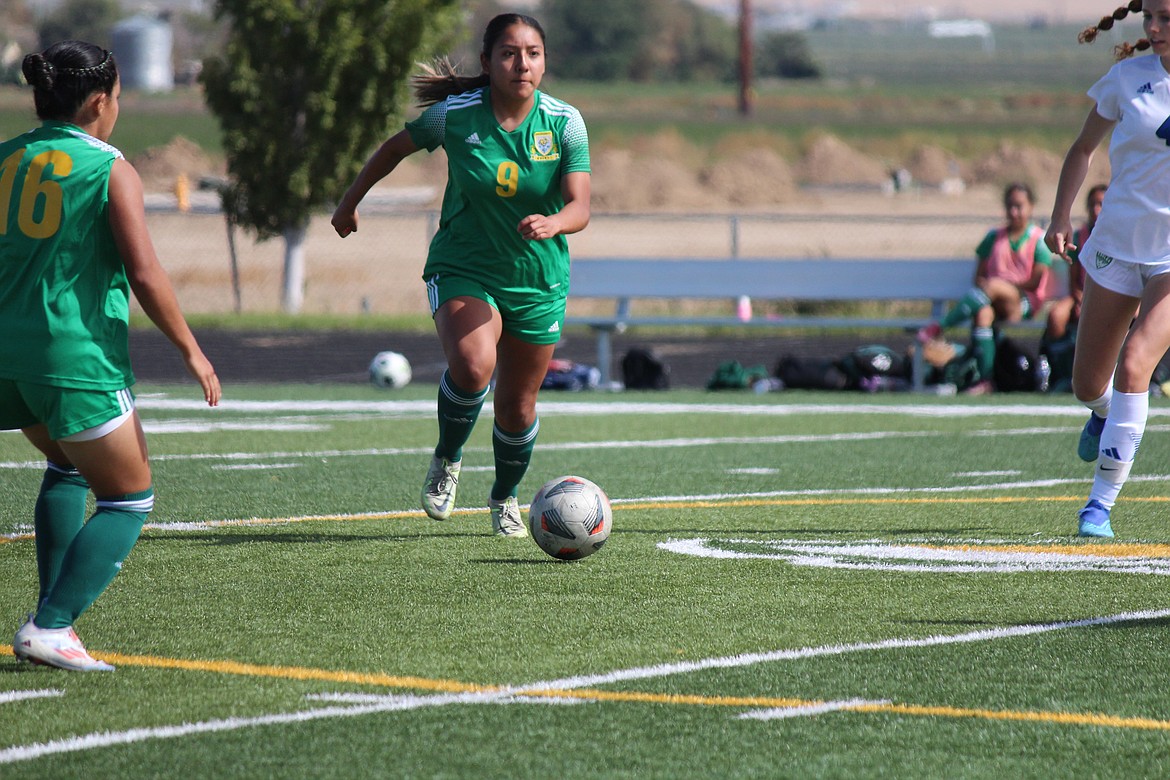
113,459
59,513
1105,319
526,346
522,369
1121,436
1057,322
468,329
965,308
963,311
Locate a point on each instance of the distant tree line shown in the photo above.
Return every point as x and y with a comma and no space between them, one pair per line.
195,35
661,40
600,40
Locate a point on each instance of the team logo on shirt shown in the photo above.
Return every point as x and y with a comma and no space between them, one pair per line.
1103,259
543,147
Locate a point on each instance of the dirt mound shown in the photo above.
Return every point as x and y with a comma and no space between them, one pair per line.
751,178
831,161
1013,163
159,166
933,165
624,180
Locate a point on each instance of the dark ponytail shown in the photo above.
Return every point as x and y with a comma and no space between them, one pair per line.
440,80
65,74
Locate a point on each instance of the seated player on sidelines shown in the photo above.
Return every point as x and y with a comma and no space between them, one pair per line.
1011,279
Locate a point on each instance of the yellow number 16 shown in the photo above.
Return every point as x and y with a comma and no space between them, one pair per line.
35,188
507,179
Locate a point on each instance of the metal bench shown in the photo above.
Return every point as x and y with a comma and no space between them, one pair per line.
627,279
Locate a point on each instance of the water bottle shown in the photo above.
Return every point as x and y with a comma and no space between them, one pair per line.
1043,373
767,385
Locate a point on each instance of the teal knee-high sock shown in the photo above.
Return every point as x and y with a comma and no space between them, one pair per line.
513,453
458,411
965,308
58,516
95,557
983,344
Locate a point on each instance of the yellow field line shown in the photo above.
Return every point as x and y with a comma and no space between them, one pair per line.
821,501
1120,550
411,514
288,672
639,697
682,504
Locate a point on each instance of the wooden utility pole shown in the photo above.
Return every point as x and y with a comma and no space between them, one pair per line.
745,57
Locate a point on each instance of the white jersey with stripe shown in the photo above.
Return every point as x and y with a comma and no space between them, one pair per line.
1135,220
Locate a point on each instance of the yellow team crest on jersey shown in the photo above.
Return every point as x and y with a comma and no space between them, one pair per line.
543,147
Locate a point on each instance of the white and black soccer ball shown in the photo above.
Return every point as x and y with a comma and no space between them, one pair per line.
390,370
570,518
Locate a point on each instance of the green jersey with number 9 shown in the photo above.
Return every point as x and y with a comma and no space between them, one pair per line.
64,297
496,178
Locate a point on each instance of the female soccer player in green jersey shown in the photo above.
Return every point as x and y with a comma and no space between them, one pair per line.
497,273
73,244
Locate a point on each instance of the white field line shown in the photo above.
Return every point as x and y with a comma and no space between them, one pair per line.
8,697
201,525
809,710
705,441
397,702
752,659
646,444
549,406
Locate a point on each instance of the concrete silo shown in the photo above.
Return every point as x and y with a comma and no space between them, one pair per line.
143,46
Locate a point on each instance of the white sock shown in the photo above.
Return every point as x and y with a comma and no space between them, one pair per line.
1120,440
1100,407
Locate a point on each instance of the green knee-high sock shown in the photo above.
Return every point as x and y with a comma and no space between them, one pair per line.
983,345
965,308
58,516
458,411
95,557
513,453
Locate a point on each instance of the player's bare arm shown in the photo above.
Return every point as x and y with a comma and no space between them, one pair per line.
576,190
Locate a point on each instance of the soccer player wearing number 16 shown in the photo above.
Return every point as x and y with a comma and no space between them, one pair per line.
497,274
73,245
1126,258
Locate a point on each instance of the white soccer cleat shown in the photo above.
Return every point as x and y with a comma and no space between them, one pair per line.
506,519
438,493
57,647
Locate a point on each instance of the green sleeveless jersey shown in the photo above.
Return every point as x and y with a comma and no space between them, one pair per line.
497,178
64,297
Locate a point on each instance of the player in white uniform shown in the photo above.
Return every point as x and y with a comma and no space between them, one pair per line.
1126,259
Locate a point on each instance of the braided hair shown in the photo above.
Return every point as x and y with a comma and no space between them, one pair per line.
65,74
442,79
1122,50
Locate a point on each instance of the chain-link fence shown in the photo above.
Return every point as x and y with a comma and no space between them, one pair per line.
378,269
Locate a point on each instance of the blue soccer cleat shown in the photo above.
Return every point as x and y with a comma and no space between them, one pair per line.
1094,521
1090,441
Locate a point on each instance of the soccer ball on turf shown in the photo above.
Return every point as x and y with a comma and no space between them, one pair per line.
390,369
570,518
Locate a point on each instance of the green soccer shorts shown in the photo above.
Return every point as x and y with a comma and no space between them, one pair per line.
534,322
65,411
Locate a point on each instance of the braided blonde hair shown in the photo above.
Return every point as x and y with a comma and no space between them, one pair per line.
1122,50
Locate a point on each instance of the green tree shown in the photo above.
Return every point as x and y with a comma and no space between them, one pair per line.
785,55
605,40
303,90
